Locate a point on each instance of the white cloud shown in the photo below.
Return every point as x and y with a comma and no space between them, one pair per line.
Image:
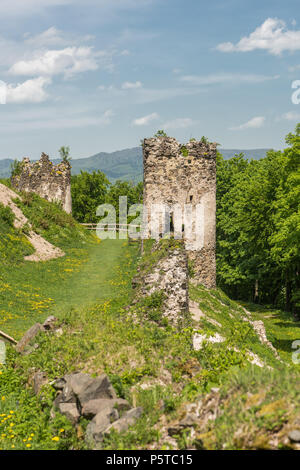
254,123
66,61
31,91
291,116
143,121
226,77
179,123
54,37
272,36
131,85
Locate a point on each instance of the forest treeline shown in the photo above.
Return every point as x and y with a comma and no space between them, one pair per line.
258,226
258,221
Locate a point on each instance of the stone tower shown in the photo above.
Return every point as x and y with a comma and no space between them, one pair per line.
52,182
183,177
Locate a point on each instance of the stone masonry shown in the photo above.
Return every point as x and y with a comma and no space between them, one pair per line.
181,176
170,276
52,182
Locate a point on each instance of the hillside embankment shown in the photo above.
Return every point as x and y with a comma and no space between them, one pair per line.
204,372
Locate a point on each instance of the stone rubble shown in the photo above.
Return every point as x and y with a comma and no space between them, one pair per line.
169,275
94,398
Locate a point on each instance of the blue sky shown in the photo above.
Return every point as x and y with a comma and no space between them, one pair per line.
99,75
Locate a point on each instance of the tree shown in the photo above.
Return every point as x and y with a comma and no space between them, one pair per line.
16,168
65,154
258,226
134,194
160,133
245,210
285,240
89,190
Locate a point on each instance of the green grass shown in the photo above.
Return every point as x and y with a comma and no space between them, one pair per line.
257,409
32,291
90,291
81,300
281,330
238,334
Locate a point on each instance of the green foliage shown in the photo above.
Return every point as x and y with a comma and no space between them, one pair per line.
134,194
258,235
6,215
88,192
13,243
64,153
184,151
160,133
258,409
25,422
16,168
49,220
151,307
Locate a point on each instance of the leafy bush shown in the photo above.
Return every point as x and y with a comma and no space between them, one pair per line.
6,215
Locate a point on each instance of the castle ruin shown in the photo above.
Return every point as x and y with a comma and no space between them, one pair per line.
179,177
52,182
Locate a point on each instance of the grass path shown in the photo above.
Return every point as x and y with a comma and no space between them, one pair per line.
281,330
31,292
95,280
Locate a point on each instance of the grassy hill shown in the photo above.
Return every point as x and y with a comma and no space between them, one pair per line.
125,164
211,398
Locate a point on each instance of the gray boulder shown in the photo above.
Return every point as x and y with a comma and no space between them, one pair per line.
128,419
93,407
58,384
294,436
87,388
70,411
95,429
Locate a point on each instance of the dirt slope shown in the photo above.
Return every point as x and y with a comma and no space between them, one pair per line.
43,249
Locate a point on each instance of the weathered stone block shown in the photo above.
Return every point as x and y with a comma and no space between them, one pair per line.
28,337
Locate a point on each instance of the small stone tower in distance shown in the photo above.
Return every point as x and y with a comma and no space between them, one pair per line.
183,178
52,182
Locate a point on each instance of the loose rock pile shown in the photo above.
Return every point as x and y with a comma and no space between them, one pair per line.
80,395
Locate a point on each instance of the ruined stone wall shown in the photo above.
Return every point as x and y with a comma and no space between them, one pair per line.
185,174
52,182
170,276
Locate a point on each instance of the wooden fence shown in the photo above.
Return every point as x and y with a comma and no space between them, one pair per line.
110,227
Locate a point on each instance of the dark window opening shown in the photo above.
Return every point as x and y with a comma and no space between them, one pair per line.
171,223
191,198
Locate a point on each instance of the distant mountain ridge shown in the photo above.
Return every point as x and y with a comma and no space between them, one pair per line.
125,164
